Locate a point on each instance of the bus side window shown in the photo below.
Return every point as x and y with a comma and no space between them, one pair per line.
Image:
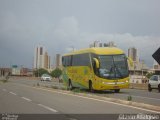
67,61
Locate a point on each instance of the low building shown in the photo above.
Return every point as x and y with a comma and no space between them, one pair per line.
156,68
138,76
4,72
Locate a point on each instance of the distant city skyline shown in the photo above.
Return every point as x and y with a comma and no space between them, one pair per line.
41,58
58,25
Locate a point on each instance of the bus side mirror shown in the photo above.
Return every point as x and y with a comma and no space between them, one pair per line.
96,62
130,61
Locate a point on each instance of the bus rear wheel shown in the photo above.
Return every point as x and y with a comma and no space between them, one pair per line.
91,87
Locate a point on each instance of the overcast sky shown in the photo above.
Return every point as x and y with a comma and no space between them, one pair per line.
60,24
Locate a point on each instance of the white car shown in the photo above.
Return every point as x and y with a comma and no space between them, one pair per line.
46,77
154,83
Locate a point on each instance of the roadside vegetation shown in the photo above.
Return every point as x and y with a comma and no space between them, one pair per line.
129,98
3,81
40,72
148,75
56,73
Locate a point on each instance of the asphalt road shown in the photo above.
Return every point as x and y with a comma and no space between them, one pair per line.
25,99
142,96
18,98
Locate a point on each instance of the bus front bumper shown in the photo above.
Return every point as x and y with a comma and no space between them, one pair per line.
112,85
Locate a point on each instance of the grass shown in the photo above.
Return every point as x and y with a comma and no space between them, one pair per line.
55,87
77,90
3,81
63,88
129,98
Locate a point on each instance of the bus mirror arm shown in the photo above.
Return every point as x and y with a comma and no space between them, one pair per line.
96,62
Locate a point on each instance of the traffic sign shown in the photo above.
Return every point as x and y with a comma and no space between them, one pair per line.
156,56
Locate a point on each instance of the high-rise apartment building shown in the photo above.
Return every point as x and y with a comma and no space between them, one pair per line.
46,61
137,64
41,58
58,60
132,53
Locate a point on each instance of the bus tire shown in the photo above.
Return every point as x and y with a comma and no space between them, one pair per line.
70,86
116,90
91,87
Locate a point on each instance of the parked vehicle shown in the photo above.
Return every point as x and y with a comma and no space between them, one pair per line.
154,83
46,77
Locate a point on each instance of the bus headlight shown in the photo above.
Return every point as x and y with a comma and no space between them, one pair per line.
127,81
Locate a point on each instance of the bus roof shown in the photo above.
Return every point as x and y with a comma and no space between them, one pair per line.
98,50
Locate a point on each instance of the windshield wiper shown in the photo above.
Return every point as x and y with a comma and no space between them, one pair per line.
110,72
120,74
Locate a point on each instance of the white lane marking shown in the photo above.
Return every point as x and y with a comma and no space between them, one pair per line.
4,89
48,108
13,93
26,99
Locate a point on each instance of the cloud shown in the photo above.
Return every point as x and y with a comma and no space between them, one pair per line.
67,28
146,45
67,35
19,39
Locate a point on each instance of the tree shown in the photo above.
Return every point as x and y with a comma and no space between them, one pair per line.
56,73
148,75
40,72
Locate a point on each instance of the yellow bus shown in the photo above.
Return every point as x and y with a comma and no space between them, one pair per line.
96,69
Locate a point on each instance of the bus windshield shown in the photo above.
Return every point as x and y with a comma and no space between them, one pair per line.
113,66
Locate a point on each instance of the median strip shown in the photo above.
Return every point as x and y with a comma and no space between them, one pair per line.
48,108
